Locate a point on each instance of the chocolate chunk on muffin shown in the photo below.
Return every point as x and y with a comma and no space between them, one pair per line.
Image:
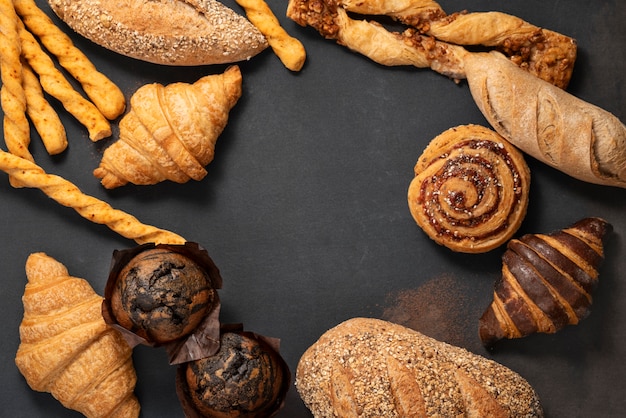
162,295
245,378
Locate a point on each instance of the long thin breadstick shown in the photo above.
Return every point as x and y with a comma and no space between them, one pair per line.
288,49
44,117
55,84
67,194
107,96
16,127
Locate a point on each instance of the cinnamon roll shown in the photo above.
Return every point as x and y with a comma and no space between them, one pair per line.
470,190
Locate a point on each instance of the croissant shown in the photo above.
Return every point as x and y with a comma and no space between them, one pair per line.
547,282
67,349
170,131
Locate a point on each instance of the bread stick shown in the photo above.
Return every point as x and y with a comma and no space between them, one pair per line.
16,127
44,117
67,194
55,84
107,96
289,50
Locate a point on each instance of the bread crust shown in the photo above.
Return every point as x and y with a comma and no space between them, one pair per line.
555,127
367,367
169,32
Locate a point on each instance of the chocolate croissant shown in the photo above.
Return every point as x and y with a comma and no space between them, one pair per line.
67,349
547,282
170,131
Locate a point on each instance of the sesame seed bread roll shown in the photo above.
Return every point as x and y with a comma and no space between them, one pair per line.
372,368
169,32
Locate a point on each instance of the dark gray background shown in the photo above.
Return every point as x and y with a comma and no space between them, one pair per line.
304,211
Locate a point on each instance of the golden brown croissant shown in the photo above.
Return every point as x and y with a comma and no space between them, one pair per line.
547,282
170,131
67,349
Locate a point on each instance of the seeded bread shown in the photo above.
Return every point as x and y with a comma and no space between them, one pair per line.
370,368
170,32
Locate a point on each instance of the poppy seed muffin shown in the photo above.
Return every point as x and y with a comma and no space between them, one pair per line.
245,379
162,295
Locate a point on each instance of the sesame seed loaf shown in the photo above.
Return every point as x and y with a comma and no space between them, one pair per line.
372,368
170,32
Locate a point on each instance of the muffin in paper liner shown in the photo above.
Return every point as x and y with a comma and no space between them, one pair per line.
246,378
142,298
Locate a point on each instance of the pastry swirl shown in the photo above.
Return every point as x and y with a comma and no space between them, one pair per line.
470,190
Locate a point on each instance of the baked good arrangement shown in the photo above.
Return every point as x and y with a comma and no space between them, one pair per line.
290,160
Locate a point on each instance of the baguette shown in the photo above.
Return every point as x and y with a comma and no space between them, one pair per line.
169,32
372,368
555,127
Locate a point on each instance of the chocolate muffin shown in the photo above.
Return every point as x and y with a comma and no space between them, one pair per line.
245,378
162,295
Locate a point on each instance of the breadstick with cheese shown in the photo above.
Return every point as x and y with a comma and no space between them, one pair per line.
16,127
288,49
107,96
67,194
55,84
44,117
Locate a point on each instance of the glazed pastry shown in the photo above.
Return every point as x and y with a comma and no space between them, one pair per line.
557,128
433,38
67,349
162,295
547,282
369,368
470,190
245,378
170,131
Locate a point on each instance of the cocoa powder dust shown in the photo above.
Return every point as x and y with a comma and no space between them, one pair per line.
441,308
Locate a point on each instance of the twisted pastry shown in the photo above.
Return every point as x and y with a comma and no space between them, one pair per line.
170,131
67,349
55,84
16,127
541,52
376,42
67,194
544,53
547,282
470,190
107,97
